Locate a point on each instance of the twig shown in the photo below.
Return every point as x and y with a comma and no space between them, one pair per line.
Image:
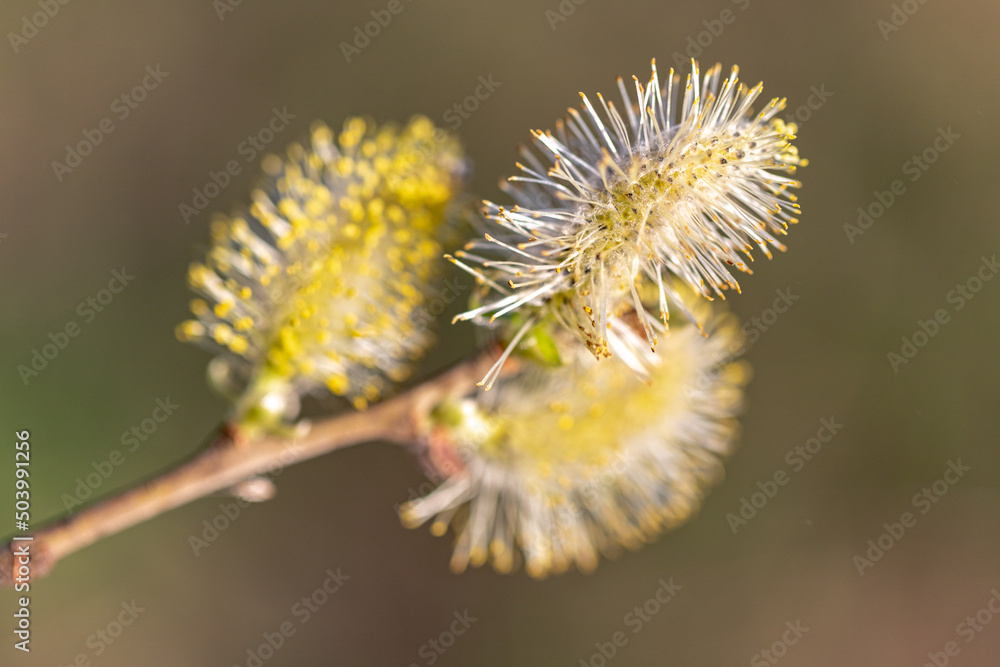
229,460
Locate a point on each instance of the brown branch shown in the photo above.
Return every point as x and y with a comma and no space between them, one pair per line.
229,460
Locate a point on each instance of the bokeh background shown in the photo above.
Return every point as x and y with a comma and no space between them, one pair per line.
826,357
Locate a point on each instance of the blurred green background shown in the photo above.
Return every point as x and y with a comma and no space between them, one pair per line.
827,356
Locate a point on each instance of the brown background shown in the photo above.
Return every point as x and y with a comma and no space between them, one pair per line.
825,357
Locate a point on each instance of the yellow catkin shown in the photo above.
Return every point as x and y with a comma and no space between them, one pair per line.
318,278
673,189
565,463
